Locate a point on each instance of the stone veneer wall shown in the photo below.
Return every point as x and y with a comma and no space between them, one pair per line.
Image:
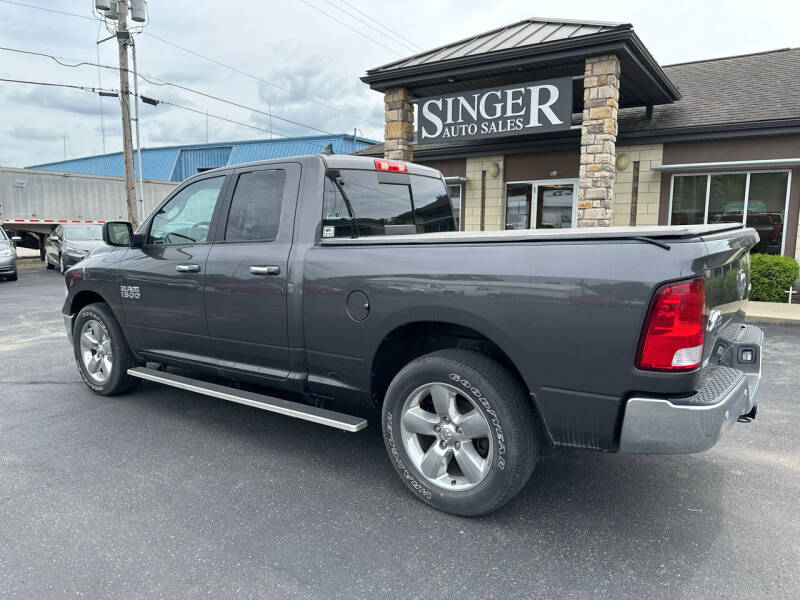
493,216
649,188
399,129
598,140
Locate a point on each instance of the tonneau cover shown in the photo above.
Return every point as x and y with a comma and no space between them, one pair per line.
539,235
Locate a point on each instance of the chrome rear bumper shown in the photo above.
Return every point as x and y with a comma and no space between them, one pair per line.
668,426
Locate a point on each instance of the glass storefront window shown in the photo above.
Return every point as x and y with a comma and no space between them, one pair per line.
766,206
545,204
726,198
721,196
554,206
689,199
518,205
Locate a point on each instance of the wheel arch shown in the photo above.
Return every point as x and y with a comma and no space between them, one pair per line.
411,340
85,298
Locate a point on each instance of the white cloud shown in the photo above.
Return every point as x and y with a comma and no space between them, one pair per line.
298,48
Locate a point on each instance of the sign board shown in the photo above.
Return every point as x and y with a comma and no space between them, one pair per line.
518,109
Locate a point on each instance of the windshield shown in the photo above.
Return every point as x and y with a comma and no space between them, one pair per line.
89,233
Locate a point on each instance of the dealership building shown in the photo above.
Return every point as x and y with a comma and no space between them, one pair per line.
555,123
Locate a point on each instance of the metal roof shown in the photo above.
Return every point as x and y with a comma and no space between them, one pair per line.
530,50
522,33
176,163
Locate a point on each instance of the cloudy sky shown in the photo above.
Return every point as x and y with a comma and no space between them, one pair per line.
302,58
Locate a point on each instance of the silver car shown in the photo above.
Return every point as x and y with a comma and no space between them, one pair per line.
8,256
70,244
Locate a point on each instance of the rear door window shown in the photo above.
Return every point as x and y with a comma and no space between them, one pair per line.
255,213
367,203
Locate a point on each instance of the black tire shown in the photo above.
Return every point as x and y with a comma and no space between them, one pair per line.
13,277
47,264
509,414
118,382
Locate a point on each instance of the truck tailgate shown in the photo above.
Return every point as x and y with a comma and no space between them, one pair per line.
727,281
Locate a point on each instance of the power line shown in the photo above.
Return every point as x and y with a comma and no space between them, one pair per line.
350,27
64,85
208,114
161,82
400,39
50,10
111,92
206,58
151,101
256,78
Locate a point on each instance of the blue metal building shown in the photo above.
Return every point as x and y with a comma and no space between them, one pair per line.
176,163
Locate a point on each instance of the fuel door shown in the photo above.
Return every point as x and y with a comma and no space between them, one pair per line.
357,306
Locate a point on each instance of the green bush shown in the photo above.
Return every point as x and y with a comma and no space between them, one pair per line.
771,276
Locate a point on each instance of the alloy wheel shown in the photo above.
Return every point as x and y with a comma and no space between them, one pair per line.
447,437
96,351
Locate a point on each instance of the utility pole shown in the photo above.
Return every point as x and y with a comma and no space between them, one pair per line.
140,202
123,38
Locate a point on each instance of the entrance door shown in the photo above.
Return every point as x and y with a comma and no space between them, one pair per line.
547,204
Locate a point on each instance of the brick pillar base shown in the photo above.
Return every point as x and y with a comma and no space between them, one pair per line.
399,130
598,141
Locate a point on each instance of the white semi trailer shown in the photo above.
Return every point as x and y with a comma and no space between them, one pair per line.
33,202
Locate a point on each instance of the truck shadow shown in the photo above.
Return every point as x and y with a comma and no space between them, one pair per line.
584,511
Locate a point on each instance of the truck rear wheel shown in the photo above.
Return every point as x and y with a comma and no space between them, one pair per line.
101,352
460,431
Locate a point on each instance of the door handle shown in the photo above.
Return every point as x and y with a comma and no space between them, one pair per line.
187,268
265,269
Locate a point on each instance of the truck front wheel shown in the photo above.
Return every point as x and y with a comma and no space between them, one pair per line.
460,431
101,352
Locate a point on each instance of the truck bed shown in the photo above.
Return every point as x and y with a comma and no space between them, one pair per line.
538,235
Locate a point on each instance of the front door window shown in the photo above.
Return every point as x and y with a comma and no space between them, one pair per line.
540,204
186,218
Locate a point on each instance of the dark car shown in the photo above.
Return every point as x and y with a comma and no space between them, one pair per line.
70,244
309,284
769,227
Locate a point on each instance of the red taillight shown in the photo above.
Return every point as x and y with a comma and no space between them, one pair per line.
675,328
394,166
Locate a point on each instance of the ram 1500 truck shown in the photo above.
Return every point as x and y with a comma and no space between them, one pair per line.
325,282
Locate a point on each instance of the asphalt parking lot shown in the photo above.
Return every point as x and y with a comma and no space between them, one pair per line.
163,493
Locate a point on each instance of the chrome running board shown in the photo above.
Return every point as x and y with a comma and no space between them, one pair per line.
277,405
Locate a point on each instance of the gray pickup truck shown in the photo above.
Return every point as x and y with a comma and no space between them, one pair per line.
330,288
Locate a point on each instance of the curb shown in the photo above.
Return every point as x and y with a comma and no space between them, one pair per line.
771,320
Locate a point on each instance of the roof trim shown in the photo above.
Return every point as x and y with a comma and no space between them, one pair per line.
730,164
568,140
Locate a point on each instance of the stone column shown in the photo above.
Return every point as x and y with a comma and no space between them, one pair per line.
399,130
598,141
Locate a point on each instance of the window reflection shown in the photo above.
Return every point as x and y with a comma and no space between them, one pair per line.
723,196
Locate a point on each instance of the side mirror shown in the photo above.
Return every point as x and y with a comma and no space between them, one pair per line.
16,238
118,233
